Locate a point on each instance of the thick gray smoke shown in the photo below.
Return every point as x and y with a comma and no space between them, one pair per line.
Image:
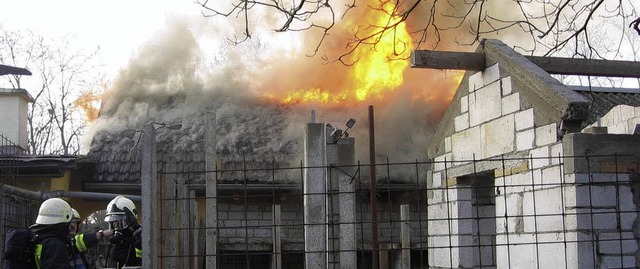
172,81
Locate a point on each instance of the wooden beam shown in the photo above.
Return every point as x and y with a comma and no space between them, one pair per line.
587,67
475,61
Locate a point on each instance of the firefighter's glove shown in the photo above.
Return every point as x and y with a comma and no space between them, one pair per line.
116,238
132,222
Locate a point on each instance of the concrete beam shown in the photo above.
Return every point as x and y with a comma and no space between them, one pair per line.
211,190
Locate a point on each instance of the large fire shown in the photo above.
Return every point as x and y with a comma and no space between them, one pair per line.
379,68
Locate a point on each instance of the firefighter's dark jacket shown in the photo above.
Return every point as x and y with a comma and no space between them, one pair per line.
128,251
52,246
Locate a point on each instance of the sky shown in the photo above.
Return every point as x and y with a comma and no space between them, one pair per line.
117,27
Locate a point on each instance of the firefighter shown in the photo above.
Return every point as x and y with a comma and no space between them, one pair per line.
51,230
81,242
126,238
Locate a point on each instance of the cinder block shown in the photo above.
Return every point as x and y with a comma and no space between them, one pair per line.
447,144
506,86
437,180
525,139
618,128
491,74
626,112
618,262
475,82
551,176
557,154
537,178
498,136
546,135
461,122
439,162
464,104
549,201
539,157
524,119
485,104
610,243
466,144
596,196
510,103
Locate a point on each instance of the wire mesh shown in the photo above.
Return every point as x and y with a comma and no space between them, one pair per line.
501,213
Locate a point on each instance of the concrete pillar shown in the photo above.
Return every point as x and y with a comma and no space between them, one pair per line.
332,202
183,223
276,238
150,195
405,236
169,249
315,208
193,229
211,200
347,202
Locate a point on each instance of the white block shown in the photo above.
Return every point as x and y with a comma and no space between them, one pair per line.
626,112
439,162
436,180
549,201
461,122
475,82
491,74
539,157
524,119
557,154
537,178
551,176
497,136
447,144
510,103
464,104
506,86
524,139
546,135
618,128
485,104
607,119
466,144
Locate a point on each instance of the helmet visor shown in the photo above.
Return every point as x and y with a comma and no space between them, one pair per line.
118,224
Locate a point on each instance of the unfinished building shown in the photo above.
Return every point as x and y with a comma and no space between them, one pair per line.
529,172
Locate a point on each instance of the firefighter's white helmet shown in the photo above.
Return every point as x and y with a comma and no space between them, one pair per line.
54,211
115,208
75,214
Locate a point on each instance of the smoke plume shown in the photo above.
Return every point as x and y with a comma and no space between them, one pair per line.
174,78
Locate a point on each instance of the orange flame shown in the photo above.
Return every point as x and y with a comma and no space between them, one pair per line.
89,102
378,67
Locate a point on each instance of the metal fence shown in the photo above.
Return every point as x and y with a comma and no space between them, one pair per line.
552,212
15,210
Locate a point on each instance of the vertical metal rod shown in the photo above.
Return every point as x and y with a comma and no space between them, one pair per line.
374,194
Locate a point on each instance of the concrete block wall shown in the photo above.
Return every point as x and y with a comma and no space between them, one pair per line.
621,119
542,220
